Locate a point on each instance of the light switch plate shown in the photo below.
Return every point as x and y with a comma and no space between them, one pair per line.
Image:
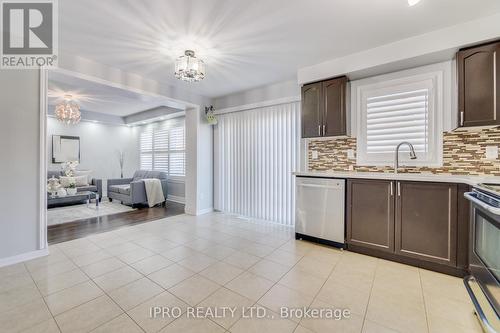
350,154
314,154
491,152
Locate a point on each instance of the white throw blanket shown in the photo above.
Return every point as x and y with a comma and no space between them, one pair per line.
154,191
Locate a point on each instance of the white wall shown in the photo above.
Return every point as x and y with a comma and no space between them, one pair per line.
19,163
271,92
100,145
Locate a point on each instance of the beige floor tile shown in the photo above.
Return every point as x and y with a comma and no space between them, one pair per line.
343,297
223,299
258,250
269,270
297,246
135,293
160,246
12,270
221,272
200,244
459,313
271,323
170,276
371,327
197,262
141,314
398,314
18,296
121,324
194,289
76,251
441,285
441,325
280,296
284,257
242,260
151,264
178,253
122,248
118,278
250,285
87,259
102,267
15,281
329,256
88,316
302,282
192,325
24,317
219,252
72,297
44,272
54,257
352,324
48,326
315,267
302,329
135,255
61,281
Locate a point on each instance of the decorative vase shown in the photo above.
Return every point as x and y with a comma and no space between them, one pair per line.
71,191
61,192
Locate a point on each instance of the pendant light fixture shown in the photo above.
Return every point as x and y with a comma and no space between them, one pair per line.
189,68
68,111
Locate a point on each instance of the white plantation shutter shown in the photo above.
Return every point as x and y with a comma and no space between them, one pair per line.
255,153
395,111
394,118
162,148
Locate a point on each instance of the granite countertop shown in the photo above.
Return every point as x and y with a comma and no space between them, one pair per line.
428,177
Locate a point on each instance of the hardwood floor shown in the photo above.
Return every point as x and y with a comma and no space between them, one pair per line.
81,228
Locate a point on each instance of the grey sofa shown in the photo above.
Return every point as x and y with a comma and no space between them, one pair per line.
95,185
131,191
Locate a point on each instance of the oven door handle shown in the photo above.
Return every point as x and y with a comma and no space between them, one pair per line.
470,196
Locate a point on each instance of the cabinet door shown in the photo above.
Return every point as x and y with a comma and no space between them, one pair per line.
478,88
426,221
334,92
312,110
370,214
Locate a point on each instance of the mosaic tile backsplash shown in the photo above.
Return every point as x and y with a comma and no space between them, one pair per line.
463,154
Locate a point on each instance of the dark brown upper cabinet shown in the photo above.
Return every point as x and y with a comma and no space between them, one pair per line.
370,214
426,221
478,85
324,108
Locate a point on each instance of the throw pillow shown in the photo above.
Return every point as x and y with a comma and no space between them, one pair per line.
78,180
85,173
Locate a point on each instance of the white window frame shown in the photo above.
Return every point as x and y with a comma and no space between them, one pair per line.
167,125
393,83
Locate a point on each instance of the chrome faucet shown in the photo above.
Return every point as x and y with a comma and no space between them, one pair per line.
413,156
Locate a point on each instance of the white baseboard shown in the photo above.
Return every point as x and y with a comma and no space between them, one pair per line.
177,199
205,211
23,257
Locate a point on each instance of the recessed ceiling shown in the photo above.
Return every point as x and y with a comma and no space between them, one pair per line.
100,98
245,43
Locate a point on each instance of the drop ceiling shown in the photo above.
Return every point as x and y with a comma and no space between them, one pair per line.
244,43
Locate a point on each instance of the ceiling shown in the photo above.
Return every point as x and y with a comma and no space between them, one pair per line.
97,97
244,43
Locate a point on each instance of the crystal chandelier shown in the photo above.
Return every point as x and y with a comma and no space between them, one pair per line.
68,111
189,68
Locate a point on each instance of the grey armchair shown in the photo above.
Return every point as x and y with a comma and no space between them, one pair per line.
131,191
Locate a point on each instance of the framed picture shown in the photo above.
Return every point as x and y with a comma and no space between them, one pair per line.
65,148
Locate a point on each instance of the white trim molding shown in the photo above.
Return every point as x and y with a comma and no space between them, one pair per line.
176,198
23,257
43,160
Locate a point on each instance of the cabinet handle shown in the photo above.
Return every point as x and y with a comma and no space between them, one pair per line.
461,118
399,189
495,85
319,130
324,130
392,189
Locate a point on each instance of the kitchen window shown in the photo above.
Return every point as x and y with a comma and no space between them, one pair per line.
162,148
390,111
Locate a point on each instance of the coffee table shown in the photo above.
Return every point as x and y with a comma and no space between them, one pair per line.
75,198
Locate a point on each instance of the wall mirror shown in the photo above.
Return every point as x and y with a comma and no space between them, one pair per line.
65,148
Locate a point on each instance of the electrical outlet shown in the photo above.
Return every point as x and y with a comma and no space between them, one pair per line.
314,154
351,154
491,152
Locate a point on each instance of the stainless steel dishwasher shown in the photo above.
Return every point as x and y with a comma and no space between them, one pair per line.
320,210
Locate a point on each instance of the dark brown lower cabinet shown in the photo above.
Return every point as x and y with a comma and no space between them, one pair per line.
370,214
426,221
418,223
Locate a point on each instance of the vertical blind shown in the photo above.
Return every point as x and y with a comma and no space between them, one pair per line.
393,118
256,152
162,148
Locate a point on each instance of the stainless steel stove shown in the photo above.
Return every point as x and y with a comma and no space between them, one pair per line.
483,284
